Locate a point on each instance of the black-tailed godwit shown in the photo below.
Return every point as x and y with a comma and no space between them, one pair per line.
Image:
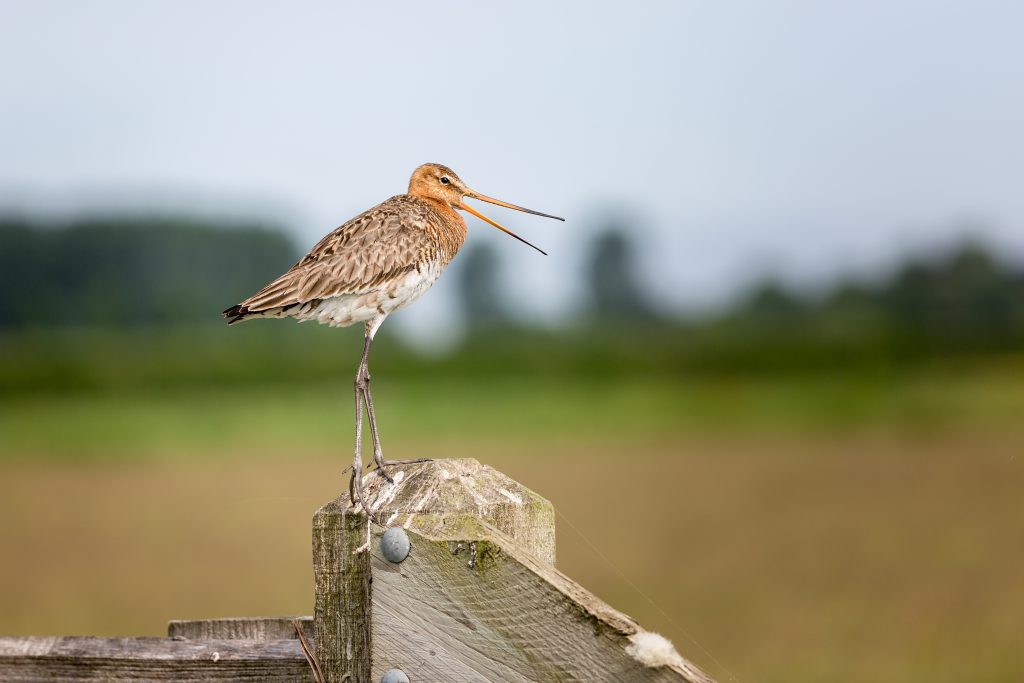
378,262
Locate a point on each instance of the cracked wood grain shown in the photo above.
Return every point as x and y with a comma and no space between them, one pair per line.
478,598
89,659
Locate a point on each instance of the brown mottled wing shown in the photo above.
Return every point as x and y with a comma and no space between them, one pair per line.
372,248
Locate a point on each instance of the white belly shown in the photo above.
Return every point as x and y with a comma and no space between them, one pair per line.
348,309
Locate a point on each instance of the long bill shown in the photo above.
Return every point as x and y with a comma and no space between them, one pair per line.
482,217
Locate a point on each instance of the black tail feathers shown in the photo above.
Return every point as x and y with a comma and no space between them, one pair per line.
237,313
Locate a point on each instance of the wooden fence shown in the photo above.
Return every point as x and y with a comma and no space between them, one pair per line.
474,597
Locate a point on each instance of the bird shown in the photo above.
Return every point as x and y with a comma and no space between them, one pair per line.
371,266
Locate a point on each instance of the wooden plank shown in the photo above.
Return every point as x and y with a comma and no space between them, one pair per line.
481,609
243,628
89,659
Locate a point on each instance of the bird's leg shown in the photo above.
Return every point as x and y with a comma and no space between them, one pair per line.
363,386
355,484
378,452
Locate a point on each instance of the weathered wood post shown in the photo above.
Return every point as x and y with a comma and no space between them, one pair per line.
476,599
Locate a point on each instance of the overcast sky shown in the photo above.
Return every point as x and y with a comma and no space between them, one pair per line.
799,138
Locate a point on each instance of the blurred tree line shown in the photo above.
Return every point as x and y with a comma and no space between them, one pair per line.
130,271
962,301
81,302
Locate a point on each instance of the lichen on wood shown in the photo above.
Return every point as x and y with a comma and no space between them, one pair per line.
341,610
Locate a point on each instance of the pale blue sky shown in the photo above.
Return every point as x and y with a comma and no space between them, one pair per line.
801,138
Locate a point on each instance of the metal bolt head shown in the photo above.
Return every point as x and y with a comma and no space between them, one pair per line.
395,546
394,676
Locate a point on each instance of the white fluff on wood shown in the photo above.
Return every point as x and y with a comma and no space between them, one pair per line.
652,649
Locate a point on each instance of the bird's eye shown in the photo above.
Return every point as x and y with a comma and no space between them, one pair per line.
445,180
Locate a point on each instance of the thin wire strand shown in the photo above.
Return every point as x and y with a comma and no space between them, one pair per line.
655,605
307,650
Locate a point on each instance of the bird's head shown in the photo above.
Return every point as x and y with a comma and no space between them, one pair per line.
437,182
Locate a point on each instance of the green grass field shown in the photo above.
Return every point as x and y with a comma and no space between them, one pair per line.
417,413
846,527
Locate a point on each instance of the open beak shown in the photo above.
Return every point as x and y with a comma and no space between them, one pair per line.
485,198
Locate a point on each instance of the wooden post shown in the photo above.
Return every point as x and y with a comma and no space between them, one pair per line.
341,615
477,599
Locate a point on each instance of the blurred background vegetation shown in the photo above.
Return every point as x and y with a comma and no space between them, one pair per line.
103,304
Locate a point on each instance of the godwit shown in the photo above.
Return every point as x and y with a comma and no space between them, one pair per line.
376,263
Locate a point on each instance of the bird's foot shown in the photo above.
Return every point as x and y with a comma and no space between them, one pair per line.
378,466
413,461
380,463
358,498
